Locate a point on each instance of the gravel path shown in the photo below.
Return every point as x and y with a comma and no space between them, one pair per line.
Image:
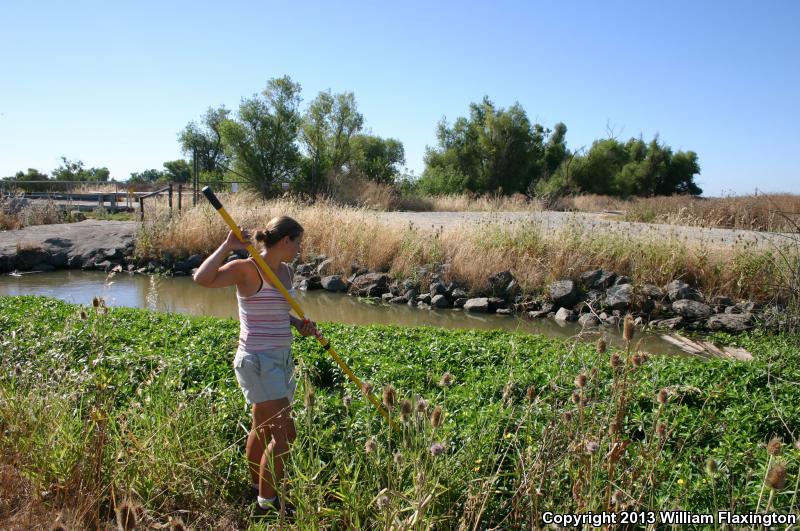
552,222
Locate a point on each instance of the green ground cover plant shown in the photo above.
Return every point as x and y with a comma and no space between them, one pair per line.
112,412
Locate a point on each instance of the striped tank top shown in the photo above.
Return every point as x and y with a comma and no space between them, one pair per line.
264,319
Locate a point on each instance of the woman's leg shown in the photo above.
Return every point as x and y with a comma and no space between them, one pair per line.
255,448
273,419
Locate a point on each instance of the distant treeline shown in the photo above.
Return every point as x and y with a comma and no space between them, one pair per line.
271,144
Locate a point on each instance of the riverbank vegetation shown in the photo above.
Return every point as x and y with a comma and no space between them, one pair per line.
356,236
107,411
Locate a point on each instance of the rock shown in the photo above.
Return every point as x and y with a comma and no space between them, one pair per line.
458,293
319,259
325,267
612,320
619,297
399,300
425,297
721,301
496,303
410,294
538,314
141,271
130,268
498,283
680,290
639,321
547,307
565,315
597,279
305,270
505,311
691,310
375,291
43,267
194,261
652,291
670,324
367,283
386,297
622,279
563,293
422,306
477,305
440,301
437,288
588,320
594,296
730,322
105,265
302,284
460,302
334,283
409,284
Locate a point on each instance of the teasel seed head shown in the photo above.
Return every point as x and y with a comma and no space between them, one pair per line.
436,417
601,345
711,467
774,446
567,416
662,397
95,302
422,406
661,430
128,514
776,477
637,360
405,410
530,394
389,397
398,459
176,524
580,381
627,328
83,315
576,397
437,449
616,361
367,388
370,446
617,498
309,398
614,428
591,447
446,380
507,392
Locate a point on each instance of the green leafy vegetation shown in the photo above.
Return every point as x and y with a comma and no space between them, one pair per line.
100,405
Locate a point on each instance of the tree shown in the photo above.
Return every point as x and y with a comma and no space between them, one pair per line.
147,176
376,158
328,126
493,150
178,171
205,139
73,170
262,138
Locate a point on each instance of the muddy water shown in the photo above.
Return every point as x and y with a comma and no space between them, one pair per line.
181,295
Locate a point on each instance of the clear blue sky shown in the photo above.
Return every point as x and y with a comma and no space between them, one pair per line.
111,83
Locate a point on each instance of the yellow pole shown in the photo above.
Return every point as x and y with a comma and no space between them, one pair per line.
292,302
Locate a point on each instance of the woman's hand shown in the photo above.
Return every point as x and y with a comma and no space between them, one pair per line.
232,243
306,327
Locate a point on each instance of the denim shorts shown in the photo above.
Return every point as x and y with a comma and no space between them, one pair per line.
265,375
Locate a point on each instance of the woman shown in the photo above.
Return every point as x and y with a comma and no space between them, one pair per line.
263,363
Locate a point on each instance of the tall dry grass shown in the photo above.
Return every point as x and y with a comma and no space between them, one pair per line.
355,237
762,212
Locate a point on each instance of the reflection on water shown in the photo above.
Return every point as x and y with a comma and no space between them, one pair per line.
181,295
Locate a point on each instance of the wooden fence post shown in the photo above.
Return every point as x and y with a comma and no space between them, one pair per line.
180,192
141,209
